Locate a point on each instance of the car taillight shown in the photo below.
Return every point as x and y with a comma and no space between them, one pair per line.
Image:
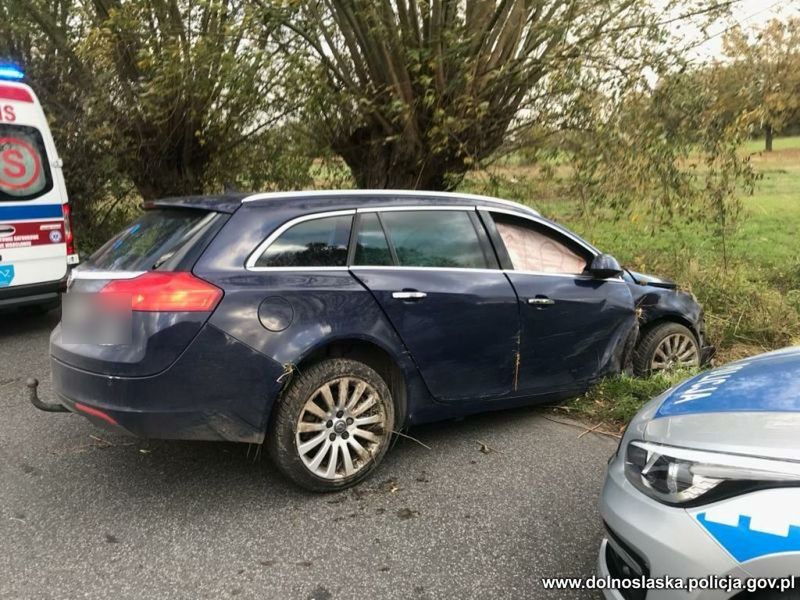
69,237
177,291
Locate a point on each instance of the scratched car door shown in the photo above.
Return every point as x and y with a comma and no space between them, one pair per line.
440,285
574,326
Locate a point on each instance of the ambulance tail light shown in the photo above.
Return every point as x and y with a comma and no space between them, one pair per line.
69,237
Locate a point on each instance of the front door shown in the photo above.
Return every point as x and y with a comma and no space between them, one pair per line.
574,327
436,278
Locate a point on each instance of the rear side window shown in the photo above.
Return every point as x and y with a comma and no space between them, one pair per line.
155,241
433,238
24,168
316,243
371,245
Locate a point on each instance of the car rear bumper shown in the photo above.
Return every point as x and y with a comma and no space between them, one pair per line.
219,389
35,294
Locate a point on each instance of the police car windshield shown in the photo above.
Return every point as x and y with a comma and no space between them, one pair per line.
24,168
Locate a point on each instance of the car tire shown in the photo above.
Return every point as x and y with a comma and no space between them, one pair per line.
670,344
335,410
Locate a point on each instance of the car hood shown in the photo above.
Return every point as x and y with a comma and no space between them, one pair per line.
748,407
643,279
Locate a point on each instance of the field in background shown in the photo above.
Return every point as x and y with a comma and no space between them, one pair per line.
752,300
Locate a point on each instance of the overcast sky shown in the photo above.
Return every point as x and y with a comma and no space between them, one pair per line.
748,13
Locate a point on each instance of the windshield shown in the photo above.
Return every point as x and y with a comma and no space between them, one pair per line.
156,240
24,168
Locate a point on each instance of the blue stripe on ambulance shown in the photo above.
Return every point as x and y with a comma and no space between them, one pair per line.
33,211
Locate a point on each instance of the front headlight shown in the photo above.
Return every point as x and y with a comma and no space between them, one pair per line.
680,476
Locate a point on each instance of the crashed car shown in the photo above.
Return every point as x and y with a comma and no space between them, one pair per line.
702,498
322,322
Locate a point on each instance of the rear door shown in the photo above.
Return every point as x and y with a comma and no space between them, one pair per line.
436,277
573,326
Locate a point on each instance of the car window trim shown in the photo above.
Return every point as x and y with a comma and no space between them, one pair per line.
472,215
250,263
581,276
356,230
551,227
259,250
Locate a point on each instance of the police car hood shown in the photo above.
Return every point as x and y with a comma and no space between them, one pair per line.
747,407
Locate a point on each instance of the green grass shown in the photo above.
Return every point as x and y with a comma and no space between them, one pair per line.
752,300
615,400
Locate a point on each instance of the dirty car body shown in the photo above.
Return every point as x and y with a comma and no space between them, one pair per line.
460,303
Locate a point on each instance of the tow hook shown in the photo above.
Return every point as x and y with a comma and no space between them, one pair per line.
33,395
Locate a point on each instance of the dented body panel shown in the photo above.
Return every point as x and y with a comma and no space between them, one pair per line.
576,340
472,341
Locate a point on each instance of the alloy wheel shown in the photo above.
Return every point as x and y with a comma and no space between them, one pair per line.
675,350
341,427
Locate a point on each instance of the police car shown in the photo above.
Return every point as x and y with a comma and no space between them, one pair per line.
36,240
703,491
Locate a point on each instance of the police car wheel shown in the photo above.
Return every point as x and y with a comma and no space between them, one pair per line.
666,347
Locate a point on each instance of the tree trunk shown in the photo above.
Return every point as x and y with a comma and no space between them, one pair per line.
380,164
768,138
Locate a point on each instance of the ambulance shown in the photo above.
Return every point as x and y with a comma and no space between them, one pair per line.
37,246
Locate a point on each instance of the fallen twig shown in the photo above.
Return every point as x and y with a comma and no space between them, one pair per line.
592,430
597,431
413,439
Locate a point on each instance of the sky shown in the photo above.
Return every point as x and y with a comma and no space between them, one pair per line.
748,13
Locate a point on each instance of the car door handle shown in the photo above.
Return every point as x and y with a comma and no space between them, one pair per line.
541,301
409,295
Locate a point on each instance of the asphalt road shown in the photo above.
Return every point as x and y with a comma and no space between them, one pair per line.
88,514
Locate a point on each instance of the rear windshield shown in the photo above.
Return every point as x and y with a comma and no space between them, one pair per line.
155,241
24,168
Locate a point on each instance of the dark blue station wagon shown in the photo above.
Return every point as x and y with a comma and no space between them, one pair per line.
322,322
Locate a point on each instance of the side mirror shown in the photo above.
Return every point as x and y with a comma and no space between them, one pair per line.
604,266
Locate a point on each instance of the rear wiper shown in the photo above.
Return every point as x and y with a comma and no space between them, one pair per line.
162,260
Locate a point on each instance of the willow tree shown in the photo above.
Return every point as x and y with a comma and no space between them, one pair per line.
412,93
184,95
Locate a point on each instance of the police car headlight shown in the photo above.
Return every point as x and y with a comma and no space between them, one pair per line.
680,476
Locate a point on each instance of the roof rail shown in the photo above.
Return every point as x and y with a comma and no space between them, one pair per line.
384,192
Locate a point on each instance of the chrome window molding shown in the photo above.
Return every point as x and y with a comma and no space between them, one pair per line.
412,268
540,221
411,208
580,276
250,263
